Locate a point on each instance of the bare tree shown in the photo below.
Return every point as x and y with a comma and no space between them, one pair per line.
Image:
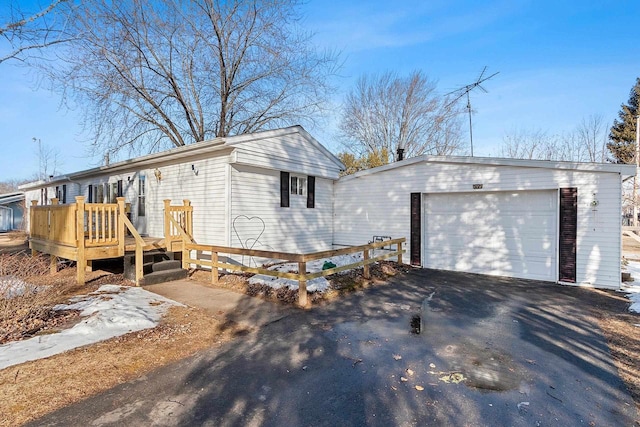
27,31
173,72
592,135
385,112
586,143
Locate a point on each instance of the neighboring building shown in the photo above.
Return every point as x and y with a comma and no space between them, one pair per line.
544,220
267,190
11,211
279,190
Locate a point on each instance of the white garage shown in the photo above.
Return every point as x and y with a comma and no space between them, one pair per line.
541,220
498,233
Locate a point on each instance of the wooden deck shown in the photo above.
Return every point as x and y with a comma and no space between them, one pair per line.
84,232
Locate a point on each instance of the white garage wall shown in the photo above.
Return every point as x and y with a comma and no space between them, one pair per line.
378,204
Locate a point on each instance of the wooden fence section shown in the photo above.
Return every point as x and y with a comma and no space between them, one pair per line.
302,276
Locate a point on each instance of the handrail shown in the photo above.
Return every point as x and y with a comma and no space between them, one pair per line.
186,239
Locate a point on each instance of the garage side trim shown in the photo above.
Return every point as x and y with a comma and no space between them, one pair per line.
416,229
568,232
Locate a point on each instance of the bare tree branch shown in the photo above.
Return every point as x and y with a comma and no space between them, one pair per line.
173,72
32,31
386,112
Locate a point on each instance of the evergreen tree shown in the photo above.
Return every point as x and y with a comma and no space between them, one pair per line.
622,137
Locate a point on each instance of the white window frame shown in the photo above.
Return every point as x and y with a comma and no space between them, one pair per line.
298,185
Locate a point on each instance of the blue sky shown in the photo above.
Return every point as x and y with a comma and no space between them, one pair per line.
559,61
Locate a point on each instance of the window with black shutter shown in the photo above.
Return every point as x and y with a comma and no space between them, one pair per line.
90,198
120,188
64,193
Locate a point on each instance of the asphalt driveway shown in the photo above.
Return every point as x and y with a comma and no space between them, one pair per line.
490,352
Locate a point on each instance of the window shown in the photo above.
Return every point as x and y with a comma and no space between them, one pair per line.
141,196
114,192
298,186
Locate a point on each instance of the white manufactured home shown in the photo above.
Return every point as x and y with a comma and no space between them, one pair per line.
270,190
543,220
280,190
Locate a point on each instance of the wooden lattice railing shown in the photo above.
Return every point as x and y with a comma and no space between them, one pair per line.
178,223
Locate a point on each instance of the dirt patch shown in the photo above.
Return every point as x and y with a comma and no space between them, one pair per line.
36,388
33,389
13,241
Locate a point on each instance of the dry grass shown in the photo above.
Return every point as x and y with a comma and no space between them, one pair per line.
33,389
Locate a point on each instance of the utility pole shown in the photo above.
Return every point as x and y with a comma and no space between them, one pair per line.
40,171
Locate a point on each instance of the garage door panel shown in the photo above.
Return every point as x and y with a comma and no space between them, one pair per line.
510,234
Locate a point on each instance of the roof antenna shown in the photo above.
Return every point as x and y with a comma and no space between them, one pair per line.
464,90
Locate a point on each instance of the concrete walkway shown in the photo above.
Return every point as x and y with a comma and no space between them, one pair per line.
223,304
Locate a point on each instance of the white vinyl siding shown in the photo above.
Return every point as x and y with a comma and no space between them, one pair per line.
258,221
292,153
382,206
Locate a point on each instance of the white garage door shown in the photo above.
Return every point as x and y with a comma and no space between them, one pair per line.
503,233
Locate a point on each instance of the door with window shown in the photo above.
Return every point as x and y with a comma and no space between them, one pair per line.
141,206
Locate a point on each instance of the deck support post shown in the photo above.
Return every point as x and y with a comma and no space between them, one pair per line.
139,263
53,264
303,300
31,216
365,267
81,262
214,267
400,253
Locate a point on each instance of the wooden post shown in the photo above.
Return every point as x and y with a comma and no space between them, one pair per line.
365,267
167,224
34,203
185,255
81,261
139,263
89,267
120,222
53,265
400,254
214,267
188,220
303,300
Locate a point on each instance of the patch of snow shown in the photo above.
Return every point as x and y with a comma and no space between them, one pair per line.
632,289
319,284
109,312
11,287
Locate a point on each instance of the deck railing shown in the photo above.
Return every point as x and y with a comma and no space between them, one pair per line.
178,220
93,226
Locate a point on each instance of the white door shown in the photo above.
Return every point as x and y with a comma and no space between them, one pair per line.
500,233
141,206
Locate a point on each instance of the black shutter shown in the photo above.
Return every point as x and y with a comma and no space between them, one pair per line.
120,188
91,194
416,229
311,191
284,189
64,193
568,233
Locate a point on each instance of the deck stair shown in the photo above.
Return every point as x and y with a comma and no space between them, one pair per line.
159,266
